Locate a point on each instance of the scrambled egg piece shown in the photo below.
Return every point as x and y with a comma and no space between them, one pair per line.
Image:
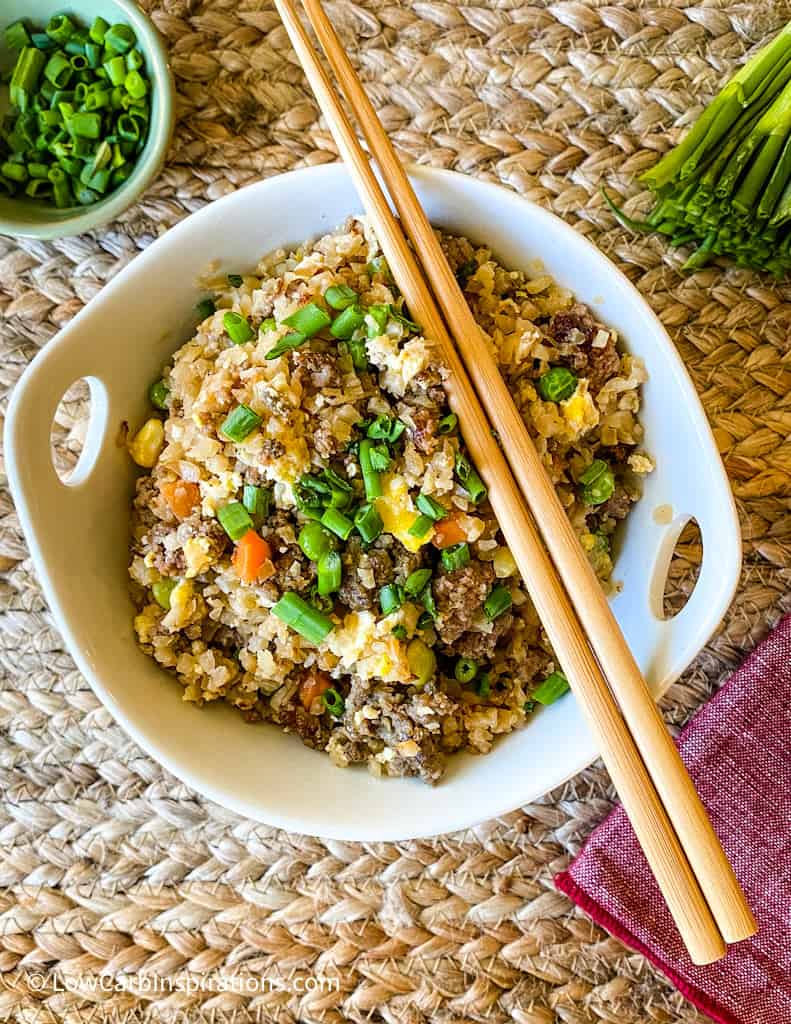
197,556
580,411
395,508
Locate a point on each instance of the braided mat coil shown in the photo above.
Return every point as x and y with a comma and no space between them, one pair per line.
124,895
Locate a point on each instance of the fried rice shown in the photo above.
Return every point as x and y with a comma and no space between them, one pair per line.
427,642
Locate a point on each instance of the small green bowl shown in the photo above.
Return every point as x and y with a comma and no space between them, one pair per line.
34,219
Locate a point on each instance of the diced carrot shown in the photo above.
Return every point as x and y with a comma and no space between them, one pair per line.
447,532
312,687
252,558
181,496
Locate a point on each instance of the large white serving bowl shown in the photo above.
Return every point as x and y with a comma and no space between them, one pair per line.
78,532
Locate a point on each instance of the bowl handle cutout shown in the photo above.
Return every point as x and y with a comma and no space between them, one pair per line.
690,627
31,414
93,433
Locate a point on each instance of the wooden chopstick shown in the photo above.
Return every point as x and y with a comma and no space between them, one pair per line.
638,794
686,812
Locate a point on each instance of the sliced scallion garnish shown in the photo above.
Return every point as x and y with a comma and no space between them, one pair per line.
498,601
302,617
235,520
240,423
456,557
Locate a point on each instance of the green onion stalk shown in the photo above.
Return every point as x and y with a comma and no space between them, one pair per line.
726,188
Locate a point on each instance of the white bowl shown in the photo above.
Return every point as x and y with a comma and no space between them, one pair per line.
78,532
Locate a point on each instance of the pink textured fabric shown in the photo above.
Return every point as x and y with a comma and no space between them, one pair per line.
738,751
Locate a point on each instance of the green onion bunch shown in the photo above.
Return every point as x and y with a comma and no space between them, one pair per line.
727,187
80,111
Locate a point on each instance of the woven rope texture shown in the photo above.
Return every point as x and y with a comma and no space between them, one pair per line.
110,869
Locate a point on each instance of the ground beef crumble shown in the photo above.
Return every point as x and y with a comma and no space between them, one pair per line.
460,595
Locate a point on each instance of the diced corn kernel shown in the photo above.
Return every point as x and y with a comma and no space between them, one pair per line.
148,443
503,563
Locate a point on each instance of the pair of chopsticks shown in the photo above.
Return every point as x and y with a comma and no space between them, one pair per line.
671,824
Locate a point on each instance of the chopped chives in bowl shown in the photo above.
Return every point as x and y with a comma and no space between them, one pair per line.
80,111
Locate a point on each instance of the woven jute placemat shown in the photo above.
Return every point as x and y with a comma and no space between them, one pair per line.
127,896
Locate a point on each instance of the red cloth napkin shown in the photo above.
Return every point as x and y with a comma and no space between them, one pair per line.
738,751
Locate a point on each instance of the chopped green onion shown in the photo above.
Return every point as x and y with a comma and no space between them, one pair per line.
317,484
93,54
98,30
235,280
85,125
385,428
557,384
405,322
373,485
399,632
302,617
60,28
329,573
484,687
368,522
135,84
240,423
469,479
425,620
339,296
416,581
25,76
498,601
598,483
529,707
465,670
456,556
431,508
307,501
337,522
17,36
422,661
448,424
420,526
333,702
162,590
58,70
391,597
359,353
158,394
257,501
308,320
554,686
344,325
237,328
270,324
378,265
292,340
206,308
235,520
427,599
120,38
116,70
376,318
380,457
315,541
42,41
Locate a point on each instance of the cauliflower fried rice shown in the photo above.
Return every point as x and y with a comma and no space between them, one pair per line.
311,543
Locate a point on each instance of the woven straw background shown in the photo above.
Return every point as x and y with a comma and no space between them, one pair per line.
111,868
